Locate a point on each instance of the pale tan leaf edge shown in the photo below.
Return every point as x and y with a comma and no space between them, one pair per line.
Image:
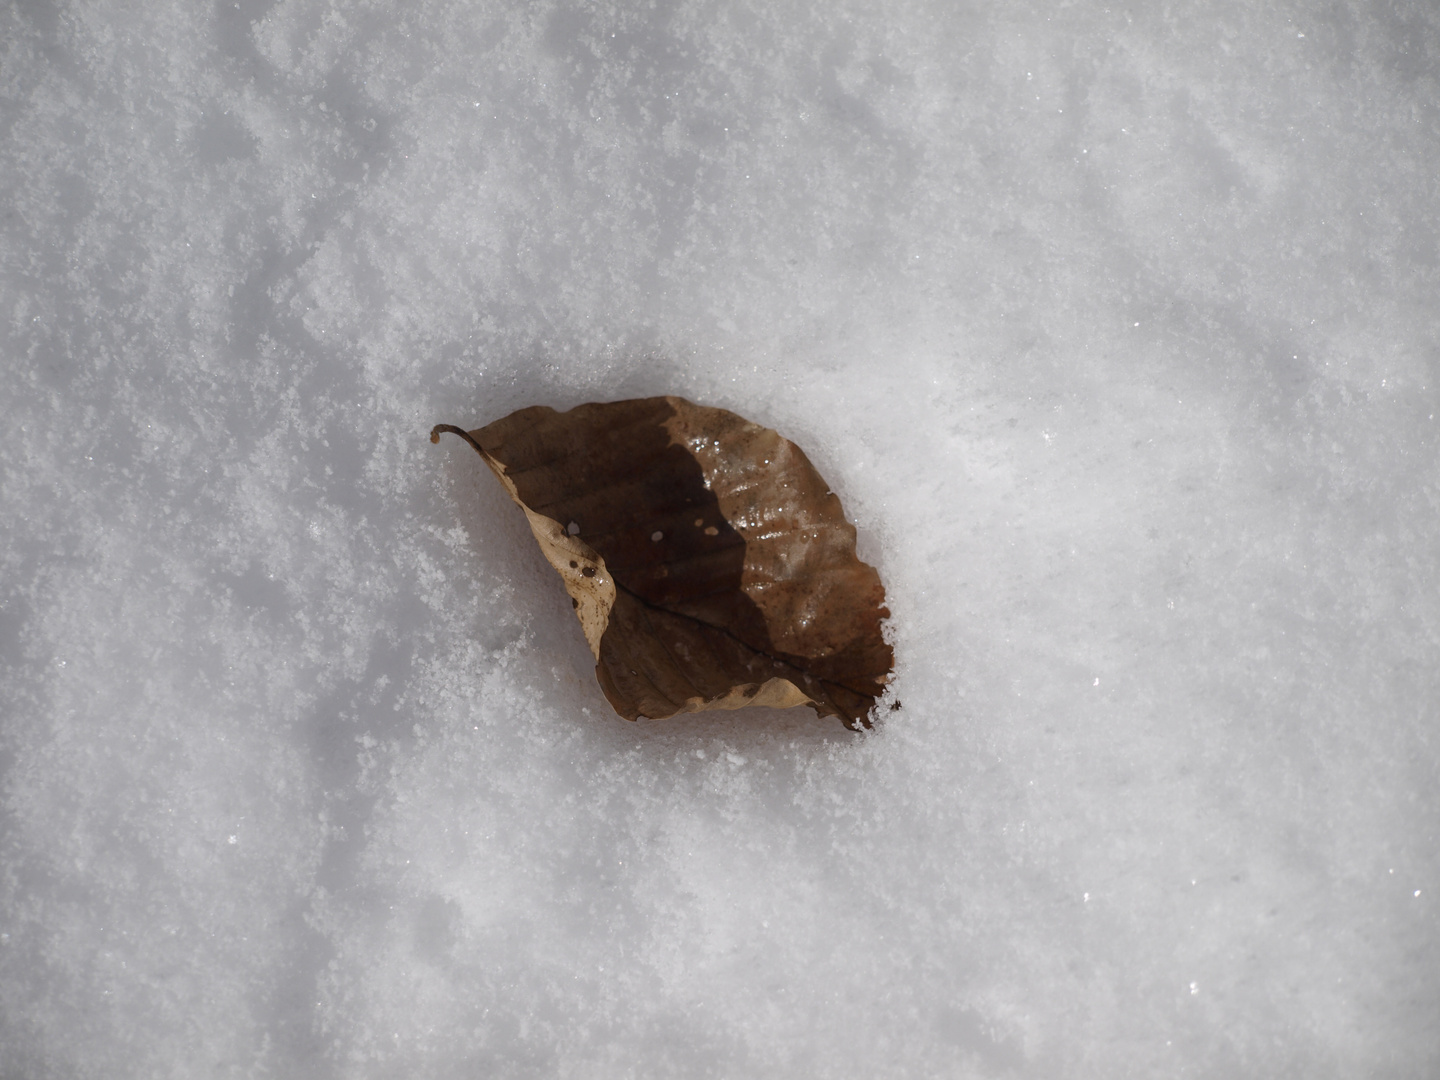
589,583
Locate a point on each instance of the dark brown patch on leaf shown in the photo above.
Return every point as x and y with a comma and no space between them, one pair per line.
718,567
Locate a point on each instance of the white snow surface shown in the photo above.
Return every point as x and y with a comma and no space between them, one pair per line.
1115,326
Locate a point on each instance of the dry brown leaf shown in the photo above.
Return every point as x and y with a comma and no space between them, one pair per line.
710,565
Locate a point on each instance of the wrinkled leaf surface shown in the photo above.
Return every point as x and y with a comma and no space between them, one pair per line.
710,565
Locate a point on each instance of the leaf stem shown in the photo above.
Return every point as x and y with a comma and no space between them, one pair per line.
438,428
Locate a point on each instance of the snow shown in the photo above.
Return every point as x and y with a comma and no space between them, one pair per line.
1112,324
